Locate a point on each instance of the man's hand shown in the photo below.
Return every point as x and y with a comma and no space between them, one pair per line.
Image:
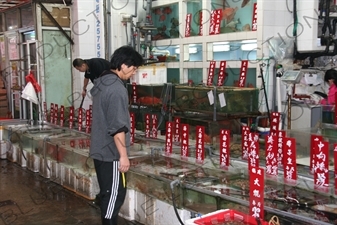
84,92
124,164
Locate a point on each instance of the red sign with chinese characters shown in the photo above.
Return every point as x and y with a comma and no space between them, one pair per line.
61,115
216,17
87,121
280,140
51,112
271,155
224,148
56,112
314,139
188,25
256,192
80,119
289,162
222,73
169,134
45,111
321,166
243,73
71,117
134,92
154,130
200,144
253,150
184,140
275,123
176,137
132,128
254,20
210,73
335,158
200,23
244,141
147,125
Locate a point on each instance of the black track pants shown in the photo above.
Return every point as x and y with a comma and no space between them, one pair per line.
112,190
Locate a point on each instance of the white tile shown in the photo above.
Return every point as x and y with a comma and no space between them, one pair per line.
268,18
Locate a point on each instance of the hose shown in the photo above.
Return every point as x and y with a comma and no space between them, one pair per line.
172,185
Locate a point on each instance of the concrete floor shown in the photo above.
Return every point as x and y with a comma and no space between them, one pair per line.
26,198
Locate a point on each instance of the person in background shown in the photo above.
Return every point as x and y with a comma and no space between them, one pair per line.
92,69
110,136
330,78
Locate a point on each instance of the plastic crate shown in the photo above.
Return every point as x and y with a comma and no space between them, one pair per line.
224,216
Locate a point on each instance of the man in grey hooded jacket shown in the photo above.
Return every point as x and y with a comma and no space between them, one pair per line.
110,136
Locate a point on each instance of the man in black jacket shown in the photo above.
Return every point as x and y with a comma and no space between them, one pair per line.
92,68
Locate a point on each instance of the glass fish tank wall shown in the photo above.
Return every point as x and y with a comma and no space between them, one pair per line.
194,8
236,15
166,19
233,50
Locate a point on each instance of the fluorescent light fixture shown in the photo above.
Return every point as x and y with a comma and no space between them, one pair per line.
221,48
248,41
192,50
249,47
221,43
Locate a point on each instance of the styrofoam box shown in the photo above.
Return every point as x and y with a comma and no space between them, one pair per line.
134,206
3,150
22,159
55,171
150,75
148,210
86,184
68,177
45,167
13,152
33,162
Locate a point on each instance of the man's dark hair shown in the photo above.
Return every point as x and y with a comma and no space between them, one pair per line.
78,62
125,55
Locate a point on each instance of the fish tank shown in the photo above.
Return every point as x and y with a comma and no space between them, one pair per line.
166,20
237,16
239,101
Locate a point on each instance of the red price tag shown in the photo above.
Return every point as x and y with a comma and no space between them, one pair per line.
200,144
256,192
289,165
271,156
254,20
147,125
134,92
184,140
176,137
51,112
280,141
275,123
211,70
321,166
253,150
188,25
222,73
154,130
243,73
224,148
244,141
314,139
71,117
132,128
169,134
